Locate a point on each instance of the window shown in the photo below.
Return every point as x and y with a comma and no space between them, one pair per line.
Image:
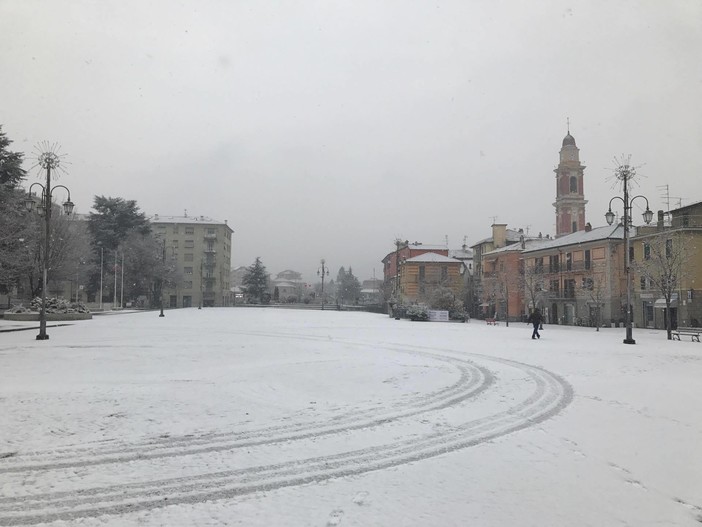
422,273
539,265
553,287
188,257
444,273
686,219
587,259
189,244
643,283
668,248
647,251
175,228
174,243
188,270
190,230
569,288
210,231
553,264
587,284
188,284
569,261
631,254
573,184
574,226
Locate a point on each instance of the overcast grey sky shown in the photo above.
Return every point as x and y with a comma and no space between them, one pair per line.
328,129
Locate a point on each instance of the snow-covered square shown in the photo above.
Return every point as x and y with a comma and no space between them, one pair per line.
255,416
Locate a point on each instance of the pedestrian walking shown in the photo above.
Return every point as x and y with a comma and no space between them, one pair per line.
535,319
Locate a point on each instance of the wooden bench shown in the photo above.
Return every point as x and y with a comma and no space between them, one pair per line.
694,333
491,322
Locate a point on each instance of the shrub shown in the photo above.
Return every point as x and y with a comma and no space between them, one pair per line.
417,313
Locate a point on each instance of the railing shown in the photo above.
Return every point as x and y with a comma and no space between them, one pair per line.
210,236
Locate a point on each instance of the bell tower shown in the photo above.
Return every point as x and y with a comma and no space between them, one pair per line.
570,193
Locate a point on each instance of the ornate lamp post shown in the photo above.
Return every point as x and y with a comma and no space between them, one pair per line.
47,160
625,173
323,271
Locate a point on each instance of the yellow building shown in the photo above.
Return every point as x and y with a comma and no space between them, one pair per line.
200,249
669,252
421,275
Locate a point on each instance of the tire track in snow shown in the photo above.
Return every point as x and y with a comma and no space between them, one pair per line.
472,381
550,395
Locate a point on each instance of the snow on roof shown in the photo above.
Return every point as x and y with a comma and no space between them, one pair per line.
461,254
157,218
615,232
531,244
433,258
512,236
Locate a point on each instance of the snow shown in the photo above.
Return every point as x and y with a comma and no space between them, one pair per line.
256,416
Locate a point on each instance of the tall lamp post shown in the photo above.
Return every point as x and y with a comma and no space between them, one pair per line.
160,287
625,173
101,267
323,271
47,161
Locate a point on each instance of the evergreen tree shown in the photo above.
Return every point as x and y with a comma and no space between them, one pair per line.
114,220
349,288
11,171
256,282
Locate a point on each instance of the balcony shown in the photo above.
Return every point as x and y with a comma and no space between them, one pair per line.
210,250
210,237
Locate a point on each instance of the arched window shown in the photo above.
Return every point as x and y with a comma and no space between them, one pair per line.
573,184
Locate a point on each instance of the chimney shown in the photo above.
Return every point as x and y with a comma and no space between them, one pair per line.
661,219
588,227
499,234
521,241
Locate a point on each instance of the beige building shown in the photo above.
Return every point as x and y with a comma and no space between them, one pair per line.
200,249
670,250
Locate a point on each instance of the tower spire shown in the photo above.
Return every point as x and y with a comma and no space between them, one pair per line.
568,124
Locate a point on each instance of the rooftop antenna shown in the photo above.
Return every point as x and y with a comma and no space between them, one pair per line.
494,219
185,213
446,239
568,124
665,195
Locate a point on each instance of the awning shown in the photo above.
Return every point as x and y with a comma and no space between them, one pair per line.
660,303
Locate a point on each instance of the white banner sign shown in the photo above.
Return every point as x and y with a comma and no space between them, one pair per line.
438,316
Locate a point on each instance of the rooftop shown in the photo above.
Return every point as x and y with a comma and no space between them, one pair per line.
615,232
432,258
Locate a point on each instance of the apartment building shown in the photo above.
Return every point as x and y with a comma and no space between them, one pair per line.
578,278
667,261
200,250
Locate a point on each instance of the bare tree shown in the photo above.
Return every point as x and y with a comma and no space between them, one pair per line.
532,282
596,288
665,265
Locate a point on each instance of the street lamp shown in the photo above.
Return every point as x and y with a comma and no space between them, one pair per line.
101,265
624,173
47,160
323,271
160,287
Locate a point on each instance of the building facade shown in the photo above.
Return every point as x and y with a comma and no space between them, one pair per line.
200,250
667,261
579,278
421,276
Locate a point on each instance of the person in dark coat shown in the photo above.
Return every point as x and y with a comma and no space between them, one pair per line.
536,320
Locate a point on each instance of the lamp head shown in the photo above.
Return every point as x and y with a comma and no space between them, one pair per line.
648,215
609,217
